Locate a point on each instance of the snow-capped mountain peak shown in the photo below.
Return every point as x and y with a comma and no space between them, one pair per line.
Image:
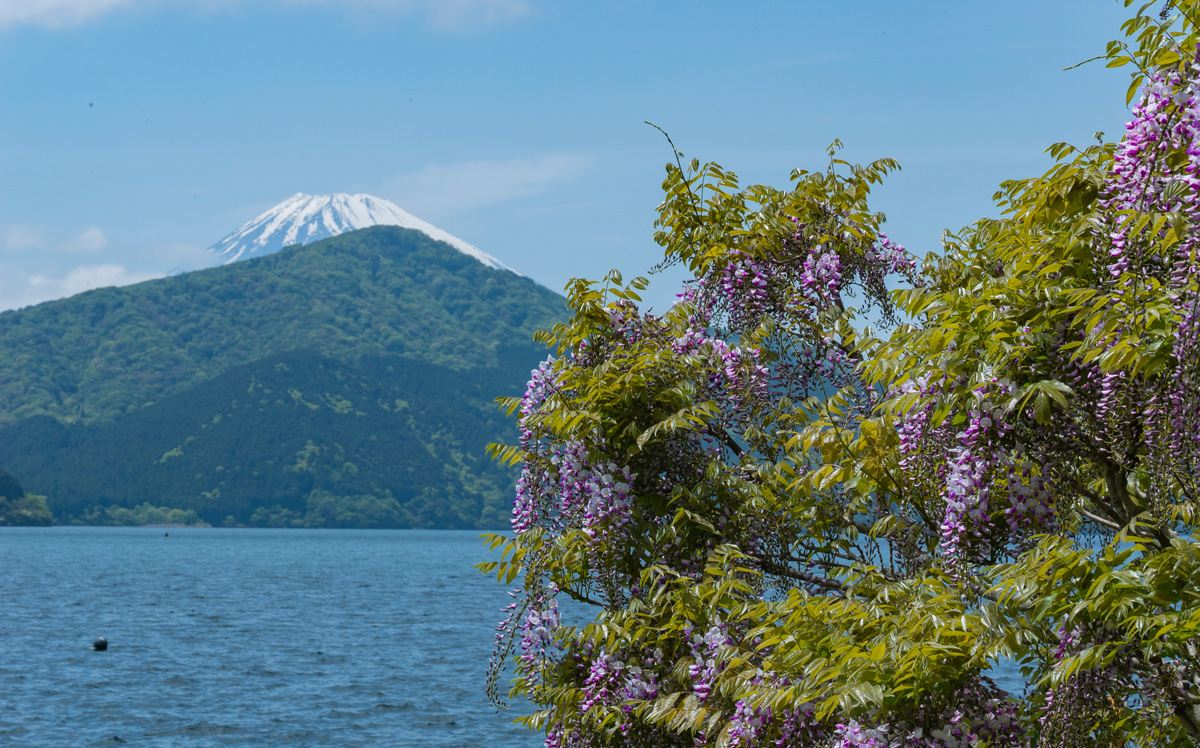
302,219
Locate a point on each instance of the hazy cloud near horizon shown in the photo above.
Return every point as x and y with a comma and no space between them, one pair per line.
445,15
17,238
440,190
36,267
90,240
55,14
19,289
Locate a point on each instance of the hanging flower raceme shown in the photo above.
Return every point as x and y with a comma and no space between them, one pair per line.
967,492
1030,505
538,648
1182,403
885,257
964,463
534,485
706,664
821,277
854,735
1165,122
561,485
1079,712
1151,201
606,491
736,376
762,727
744,283
917,433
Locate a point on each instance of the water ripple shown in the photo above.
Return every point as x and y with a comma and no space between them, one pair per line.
247,637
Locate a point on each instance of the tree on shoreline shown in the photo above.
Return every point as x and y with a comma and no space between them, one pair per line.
20,508
798,530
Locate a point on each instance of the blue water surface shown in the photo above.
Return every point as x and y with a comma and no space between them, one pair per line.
224,637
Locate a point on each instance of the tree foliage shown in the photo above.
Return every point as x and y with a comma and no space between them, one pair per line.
143,514
799,529
18,507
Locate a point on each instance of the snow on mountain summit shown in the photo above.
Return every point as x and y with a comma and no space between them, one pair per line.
302,219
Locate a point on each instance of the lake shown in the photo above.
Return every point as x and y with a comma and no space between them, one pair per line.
224,637
232,637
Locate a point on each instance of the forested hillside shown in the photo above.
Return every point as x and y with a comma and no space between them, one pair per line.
348,383
381,290
385,442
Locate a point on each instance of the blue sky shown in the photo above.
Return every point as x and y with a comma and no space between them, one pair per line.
135,133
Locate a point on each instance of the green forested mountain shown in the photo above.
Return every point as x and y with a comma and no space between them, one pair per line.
344,383
382,290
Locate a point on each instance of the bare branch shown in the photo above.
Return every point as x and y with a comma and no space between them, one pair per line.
1100,520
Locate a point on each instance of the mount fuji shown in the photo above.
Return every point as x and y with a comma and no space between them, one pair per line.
302,219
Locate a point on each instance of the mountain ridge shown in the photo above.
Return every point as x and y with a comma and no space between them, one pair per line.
303,219
381,289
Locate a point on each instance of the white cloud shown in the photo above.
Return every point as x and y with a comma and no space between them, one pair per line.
439,190
440,14
183,257
453,14
87,277
55,14
91,240
23,237
447,15
20,290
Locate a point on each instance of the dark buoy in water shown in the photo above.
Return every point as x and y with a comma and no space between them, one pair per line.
166,534
100,644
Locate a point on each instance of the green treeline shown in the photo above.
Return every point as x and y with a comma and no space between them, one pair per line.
324,509
20,508
29,510
143,514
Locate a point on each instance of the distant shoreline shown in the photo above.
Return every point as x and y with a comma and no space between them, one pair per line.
201,525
